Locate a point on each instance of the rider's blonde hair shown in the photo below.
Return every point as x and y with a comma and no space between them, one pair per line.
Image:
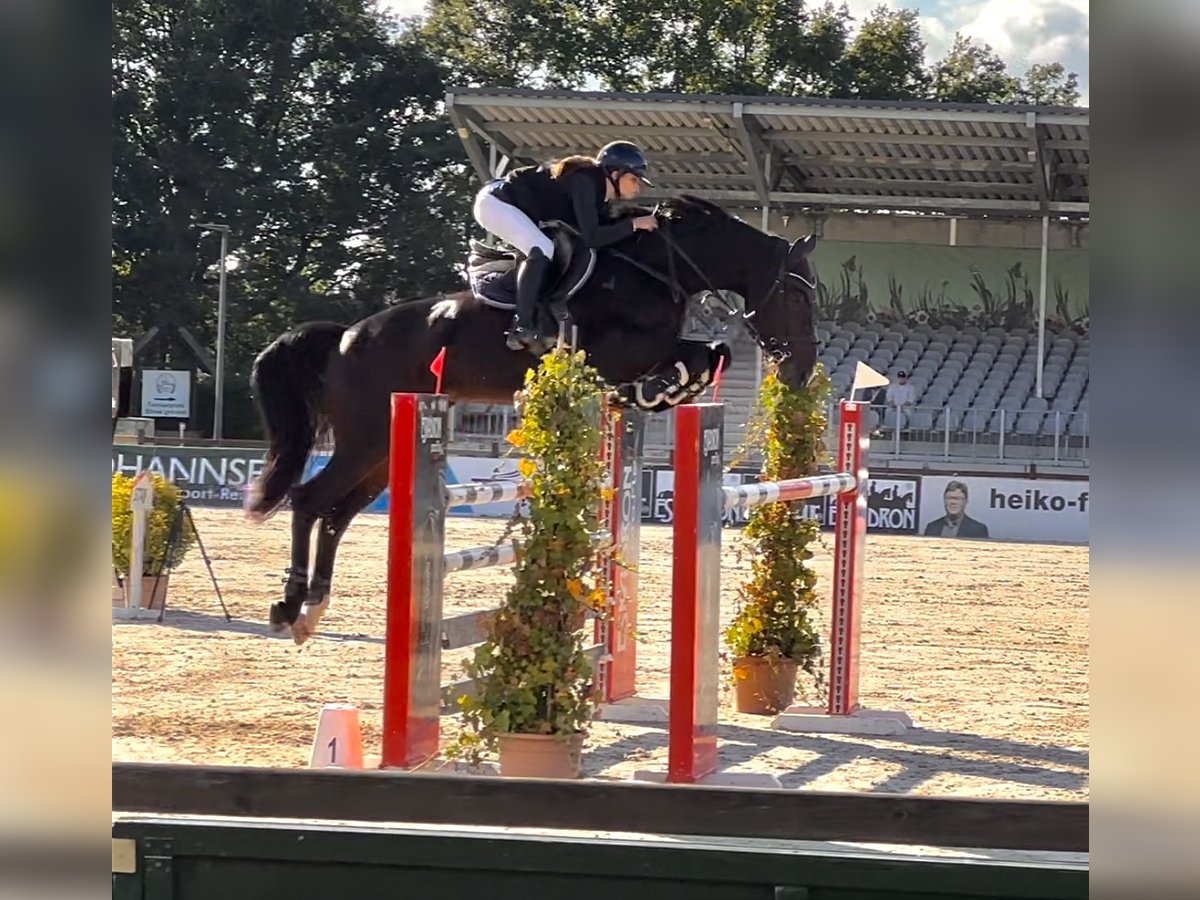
568,164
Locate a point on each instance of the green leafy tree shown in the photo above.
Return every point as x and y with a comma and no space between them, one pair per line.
972,73
513,43
885,61
309,130
1049,84
712,46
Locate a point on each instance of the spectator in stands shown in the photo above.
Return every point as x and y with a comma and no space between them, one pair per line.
956,522
900,393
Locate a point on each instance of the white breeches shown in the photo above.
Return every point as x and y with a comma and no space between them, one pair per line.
510,224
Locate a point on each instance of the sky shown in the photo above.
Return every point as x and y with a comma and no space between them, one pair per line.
1023,32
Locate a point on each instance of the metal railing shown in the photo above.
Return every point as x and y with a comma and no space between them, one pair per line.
924,432
975,432
482,422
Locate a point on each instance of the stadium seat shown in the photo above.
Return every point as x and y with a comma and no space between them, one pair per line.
921,419
1002,421
975,420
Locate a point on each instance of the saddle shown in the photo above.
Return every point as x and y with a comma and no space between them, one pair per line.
492,272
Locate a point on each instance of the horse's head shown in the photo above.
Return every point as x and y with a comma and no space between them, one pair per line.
776,280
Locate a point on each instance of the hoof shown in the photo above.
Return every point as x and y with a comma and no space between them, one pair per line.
279,618
309,621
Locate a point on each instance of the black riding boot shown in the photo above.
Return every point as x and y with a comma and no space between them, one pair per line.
530,278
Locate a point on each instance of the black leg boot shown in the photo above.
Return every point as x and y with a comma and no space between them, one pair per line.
530,278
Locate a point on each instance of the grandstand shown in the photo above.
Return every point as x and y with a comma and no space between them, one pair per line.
898,174
975,396
971,385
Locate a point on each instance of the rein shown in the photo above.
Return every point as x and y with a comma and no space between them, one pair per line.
778,352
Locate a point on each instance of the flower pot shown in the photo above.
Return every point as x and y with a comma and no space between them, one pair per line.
541,755
763,686
154,590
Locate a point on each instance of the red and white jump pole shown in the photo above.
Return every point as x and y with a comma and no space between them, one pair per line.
700,501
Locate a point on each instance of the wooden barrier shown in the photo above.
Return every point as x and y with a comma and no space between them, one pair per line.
316,833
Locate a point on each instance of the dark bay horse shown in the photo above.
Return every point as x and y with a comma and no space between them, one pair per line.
628,316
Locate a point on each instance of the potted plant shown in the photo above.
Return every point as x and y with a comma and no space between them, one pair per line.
772,636
535,694
169,535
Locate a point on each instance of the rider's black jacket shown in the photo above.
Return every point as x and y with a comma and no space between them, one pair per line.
577,198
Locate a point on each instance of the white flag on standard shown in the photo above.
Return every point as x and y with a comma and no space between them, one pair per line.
866,377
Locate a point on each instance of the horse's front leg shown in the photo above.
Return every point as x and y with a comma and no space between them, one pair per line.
283,613
333,527
684,378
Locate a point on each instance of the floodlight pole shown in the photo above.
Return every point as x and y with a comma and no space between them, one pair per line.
219,375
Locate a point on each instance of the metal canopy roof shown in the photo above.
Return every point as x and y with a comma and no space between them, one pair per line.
956,159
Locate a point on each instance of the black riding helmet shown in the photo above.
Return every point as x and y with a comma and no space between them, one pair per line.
622,156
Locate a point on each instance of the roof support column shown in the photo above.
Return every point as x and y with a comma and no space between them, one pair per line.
766,206
754,149
474,152
1042,304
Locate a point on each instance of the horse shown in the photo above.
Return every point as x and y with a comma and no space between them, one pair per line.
323,377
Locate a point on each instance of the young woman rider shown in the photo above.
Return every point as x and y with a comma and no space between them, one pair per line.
576,190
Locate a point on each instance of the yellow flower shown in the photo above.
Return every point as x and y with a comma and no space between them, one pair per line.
527,468
516,438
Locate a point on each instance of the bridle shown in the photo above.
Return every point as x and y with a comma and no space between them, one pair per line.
777,350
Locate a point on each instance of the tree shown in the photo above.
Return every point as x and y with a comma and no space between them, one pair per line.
972,73
885,61
509,43
696,46
826,41
1049,84
317,138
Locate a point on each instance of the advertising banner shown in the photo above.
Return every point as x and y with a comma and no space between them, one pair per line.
207,476
459,470
1014,509
995,507
893,503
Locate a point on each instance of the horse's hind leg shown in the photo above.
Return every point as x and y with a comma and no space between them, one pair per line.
328,537
285,612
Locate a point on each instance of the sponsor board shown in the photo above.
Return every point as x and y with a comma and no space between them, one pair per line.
1011,509
995,507
206,476
459,470
892,503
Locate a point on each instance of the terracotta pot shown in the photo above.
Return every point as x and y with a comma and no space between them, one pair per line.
763,686
153,598
541,755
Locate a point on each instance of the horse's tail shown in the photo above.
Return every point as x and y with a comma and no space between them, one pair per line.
287,381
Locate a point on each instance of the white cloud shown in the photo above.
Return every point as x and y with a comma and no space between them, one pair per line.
1032,31
938,37
1023,32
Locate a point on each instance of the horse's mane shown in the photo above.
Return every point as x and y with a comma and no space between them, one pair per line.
690,211
689,206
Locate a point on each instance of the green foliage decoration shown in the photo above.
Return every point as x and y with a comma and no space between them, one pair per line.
168,498
774,617
533,674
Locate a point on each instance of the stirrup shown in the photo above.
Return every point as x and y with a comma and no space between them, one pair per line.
521,338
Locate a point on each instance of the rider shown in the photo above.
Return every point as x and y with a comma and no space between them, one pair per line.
575,190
